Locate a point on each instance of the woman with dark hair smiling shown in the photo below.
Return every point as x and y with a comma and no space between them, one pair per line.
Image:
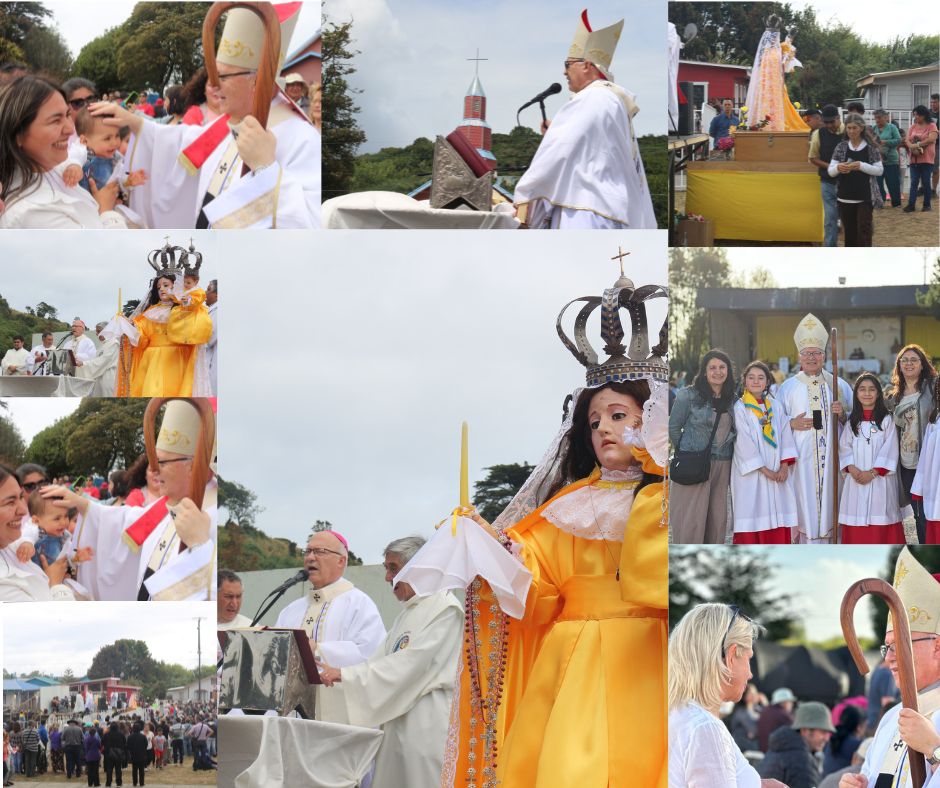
35,129
701,423
910,400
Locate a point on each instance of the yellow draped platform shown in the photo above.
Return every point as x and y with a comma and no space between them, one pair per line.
754,205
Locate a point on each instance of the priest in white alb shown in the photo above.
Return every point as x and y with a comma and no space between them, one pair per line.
886,763
163,552
16,359
807,402
406,687
587,172
343,623
81,346
195,172
103,367
39,362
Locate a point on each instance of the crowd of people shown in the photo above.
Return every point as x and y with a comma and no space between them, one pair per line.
775,441
150,738
861,164
71,157
92,539
723,731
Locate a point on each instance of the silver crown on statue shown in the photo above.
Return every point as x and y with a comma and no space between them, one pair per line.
175,260
625,362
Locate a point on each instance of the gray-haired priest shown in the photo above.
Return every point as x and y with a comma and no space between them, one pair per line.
166,551
407,685
587,172
886,763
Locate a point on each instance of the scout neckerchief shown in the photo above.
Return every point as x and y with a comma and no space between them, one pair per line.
763,411
319,601
895,768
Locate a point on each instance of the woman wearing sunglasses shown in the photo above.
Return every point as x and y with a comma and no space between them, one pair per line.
710,652
36,128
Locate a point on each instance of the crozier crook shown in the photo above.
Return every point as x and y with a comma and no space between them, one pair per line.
265,86
902,647
203,454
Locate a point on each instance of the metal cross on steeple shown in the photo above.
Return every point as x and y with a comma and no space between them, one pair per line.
477,60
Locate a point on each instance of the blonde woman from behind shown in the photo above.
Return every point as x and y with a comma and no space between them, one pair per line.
709,664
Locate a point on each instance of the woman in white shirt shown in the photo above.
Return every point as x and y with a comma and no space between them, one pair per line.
709,664
35,127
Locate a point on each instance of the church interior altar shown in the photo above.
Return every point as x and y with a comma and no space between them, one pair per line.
45,386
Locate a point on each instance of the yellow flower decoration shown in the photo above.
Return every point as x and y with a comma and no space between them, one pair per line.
796,104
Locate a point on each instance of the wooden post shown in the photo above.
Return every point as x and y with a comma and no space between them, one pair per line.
902,646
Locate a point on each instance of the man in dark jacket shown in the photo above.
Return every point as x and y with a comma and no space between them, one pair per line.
137,752
790,756
73,744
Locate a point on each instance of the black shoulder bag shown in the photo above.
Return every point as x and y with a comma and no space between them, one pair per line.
694,467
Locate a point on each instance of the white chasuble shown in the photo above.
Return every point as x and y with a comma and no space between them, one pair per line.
285,194
159,569
102,369
927,479
759,503
82,347
814,473
347,628
407,687
886,764
588,168
875,446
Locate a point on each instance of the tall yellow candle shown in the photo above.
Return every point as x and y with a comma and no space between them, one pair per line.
464,467
120,303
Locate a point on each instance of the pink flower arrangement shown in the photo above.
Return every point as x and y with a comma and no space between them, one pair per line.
725,143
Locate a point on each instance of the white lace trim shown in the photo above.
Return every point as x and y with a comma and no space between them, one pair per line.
595,512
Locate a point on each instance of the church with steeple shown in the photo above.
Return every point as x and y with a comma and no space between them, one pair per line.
474,127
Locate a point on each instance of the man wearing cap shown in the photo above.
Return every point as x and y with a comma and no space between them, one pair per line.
587,172
81,346
343,624
103,367
406,687
822,144
165,551
887,762
296,90
790,757
38,362
778,714
195,172
813,119
806,400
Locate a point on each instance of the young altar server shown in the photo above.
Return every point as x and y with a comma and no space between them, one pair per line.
869,512
761,488
926,485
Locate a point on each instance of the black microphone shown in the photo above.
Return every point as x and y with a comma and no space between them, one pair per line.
551,90
299,577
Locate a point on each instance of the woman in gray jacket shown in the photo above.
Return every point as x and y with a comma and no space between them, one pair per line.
698,513
910,400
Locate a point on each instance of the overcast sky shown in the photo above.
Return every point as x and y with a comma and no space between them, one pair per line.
414,73
79,272
80,23
817,578
819,267
869,20
53,636
343,384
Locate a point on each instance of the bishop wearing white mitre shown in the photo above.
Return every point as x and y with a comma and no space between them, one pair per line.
163,552
806,400
343,623
587,172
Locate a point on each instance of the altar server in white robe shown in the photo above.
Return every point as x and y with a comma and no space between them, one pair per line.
587,172
761,489
869,455
163,552
81,346
343,623
16,359
407,685
807,393
103,367
195,172
39,361
926,484
886,762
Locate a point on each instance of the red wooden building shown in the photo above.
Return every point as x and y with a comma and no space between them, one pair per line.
715,82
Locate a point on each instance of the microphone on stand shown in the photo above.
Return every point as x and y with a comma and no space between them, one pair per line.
551,90
278,592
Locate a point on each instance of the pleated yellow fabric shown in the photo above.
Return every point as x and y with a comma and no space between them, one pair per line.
584,689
